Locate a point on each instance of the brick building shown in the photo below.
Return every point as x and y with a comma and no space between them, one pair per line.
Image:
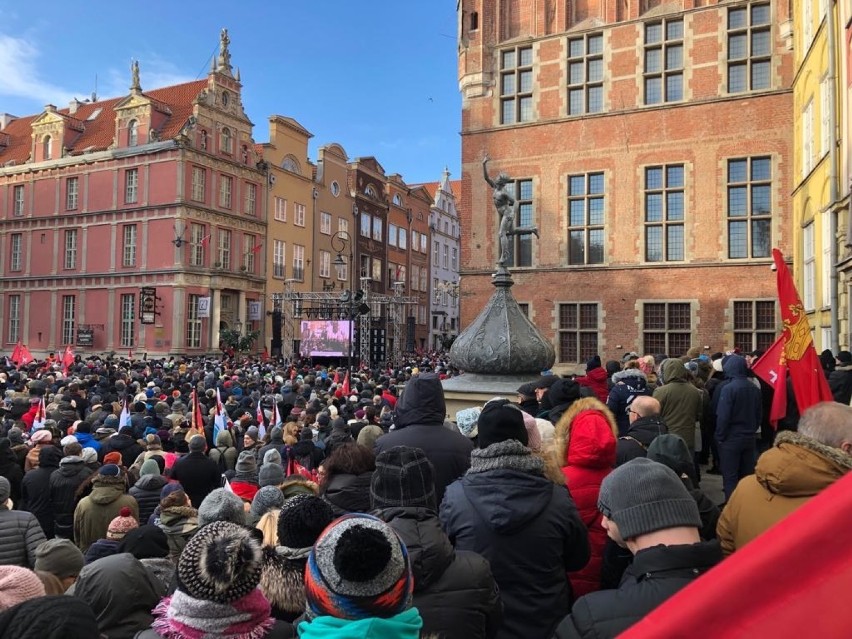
100,201
651,144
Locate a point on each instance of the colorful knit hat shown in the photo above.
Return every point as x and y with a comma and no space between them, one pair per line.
123,524
358,568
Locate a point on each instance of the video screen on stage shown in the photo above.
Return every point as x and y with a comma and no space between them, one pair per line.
324,338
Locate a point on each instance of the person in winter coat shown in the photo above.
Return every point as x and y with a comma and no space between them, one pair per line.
95,512
738,412
681,404
151,547
62,488
198,474
18,446
595,378
225,455
55,617
118,528
647,510
146,490
179,520
35,488
340,434
798,467
61,559
121,593
282,580
526,526
40,439
11,470
20,534
246,480
84,436
419,423
306,452
346,484
561,395
840,379
584,445
627,386
123,443
645,426
454,591
276,442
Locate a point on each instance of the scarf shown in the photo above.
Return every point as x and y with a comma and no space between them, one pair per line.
293,554
510,454
183,617
405,625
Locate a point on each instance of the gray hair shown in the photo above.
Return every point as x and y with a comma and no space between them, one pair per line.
829,423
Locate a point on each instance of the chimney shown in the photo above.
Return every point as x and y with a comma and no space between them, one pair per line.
73,106
50,108
5,119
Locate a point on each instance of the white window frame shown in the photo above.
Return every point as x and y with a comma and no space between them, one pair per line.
343,226
128,243
325,264
70,249
133,133
14,333
16,244
193,322
393,231
72,193
279,259
298,214
223,248
402,240
250,206
325,222
131,186
249,242
69,307
377,228
299,262
128,320
280,209
827,266
808,138
226,190
227,141
196,248
199,183
18,196
824,114
809,268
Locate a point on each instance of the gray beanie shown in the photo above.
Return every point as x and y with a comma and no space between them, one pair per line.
221,505
643,496
271,456
270,475
197,444
59,557
266,499
246,463
5,490
252,432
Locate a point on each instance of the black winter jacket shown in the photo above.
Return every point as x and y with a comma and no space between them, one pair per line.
639,436
20,535
740,403
840,382
627,386
656,574
529,529
419,423
35,488
454,591
348,493
146,492
124,444
198,474
64,483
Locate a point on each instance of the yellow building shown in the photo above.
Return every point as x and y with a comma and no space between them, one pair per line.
817,195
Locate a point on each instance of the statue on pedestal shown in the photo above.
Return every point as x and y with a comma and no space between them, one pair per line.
507,209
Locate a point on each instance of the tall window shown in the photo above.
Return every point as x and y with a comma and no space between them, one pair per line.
436,252
70,249
250,249
520,246
68,312
586,218
365,266
585,74
809,261
278,258
250,205
280,209
298,262
808,139
415,240
446,256
749,207
131,186
16,241
325,223
129,245
226,186
366,224
423,244
516,85
227,141
47,148
224,249
403,238
72,190
193,322
667,328
343,225
343,271
377,228
377,270
749,48
827,265
299,214
14,333
132,133
664,211
197,241
664,61
454,263
392,234
325,264
18,194
199,183
578,331
754,325
424,279
128,320
415,277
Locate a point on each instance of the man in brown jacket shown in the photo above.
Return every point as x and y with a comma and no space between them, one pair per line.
795,469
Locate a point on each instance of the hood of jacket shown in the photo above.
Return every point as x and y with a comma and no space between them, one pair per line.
121,442
224,439
645,429
422,402
70,466
673,370
151,483
178,519
597,375
429,548
563,391
49,457
735,366
586,435
632,377
303,447
798,466
107,489
671,451
506,498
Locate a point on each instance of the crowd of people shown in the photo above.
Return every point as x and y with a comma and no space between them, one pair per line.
251,499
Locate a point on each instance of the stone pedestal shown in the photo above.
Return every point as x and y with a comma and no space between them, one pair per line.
472,389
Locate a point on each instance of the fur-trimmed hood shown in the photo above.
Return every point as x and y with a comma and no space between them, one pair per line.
282,583
562,433
798,466
629,375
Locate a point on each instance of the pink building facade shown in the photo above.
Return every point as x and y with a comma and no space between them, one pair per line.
103,201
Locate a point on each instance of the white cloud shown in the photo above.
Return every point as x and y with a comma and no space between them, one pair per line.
20,77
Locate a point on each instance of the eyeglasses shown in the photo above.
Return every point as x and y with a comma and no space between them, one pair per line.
630,411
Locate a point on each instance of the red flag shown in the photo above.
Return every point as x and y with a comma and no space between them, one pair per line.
67,359
129,353
205,241
16,354
809,383
336,379
772,369
24,356
346,384
257,247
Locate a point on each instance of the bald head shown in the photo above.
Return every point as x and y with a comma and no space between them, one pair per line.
646,406
829,423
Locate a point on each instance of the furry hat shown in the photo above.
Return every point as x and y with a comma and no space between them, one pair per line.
221,505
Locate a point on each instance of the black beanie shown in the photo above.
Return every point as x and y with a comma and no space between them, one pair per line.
302,519
500,420
403,477
145,542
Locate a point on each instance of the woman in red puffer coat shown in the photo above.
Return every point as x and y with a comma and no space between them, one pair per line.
584,448
595,379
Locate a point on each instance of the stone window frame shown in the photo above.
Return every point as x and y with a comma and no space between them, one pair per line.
664,190
669,329
747,29
514,69
663,44
761,335
570,325
586,197
583,59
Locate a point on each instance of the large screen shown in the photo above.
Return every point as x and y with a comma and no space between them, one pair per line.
324,338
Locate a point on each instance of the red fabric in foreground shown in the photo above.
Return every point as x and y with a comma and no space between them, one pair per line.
792,581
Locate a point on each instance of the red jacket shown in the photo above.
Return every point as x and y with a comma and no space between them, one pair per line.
29,417
596,380
589,428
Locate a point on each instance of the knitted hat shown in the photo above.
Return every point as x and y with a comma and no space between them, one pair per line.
221,563
252,432
170,488
246,463
42,436
150,467
533,434
466,420
270,475
5,489
593,363
271,456
499,421
221,505
358,568
121,525
54,617
90,455
146,542
643,496
109,470
68,439
113,457
59,557
18,585
266,499
197,444
403,477
302,519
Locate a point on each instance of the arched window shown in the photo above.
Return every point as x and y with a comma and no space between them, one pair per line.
46,147
227,142
370,191
132,133
397,200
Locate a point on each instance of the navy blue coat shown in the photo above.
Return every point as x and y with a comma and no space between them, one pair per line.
740,403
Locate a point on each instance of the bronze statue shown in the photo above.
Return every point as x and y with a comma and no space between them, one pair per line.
507,208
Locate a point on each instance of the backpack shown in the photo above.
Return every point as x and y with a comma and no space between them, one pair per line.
220,462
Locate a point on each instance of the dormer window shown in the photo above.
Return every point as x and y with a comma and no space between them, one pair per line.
46,148
370,191
227,141
132,133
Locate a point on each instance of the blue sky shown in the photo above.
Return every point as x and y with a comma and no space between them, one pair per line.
378,77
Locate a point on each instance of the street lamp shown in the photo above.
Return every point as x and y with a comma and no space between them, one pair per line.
340,242
238,326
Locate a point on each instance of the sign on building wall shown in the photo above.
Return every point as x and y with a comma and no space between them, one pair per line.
254,310
85,337
148,304
203,307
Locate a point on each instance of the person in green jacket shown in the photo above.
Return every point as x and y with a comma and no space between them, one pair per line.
94,513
